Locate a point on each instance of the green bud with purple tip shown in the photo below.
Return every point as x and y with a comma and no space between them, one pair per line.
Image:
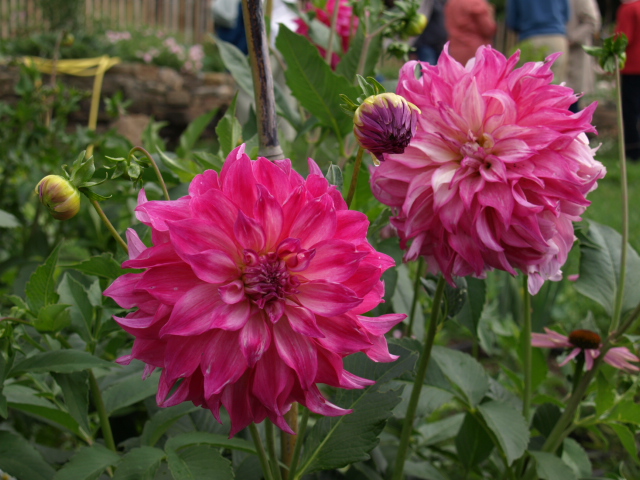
59,196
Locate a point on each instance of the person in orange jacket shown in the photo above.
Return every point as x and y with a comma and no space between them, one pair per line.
470,23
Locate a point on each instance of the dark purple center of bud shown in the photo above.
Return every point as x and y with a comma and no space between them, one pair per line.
585,339
267,279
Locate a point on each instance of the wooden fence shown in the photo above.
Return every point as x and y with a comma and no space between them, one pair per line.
191,18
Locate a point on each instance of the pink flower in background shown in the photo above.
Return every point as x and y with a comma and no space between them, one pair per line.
346,28
115,37
587,342
253,292
497,171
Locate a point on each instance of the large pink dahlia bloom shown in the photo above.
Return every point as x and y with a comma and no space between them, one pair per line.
253,292
497,171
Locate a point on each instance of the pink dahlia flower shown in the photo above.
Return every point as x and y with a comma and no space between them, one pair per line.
587,342
346,27
497,171
253,292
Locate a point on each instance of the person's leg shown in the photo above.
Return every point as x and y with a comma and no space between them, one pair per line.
631,114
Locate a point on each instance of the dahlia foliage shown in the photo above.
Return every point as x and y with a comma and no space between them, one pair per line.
346,27
253,292
497,171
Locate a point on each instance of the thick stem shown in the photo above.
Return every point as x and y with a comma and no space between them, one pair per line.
354,177
271,449
416,291
296,453
109,226
332,32
289,442
262,79
526,345
577,372
155,168
617,311
102,412
423,364
262,454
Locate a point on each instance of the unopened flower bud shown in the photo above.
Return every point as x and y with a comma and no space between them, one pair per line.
416,25
59,196
385,123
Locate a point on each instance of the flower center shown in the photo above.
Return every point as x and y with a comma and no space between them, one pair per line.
266,278
585,339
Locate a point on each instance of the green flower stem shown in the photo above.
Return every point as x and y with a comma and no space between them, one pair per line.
526,345
423,363
301,431
577,371
109,226
155,168
617,310
354,177
262,455
271,449
414,302
332,32
288,441
102,412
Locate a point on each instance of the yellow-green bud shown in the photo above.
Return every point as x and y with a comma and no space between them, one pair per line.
416,25
59,196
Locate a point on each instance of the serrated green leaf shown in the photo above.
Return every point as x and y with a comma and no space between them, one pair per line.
200,462
471,311
229,130
627,438
509,427
550,467
129,390
7,220
19,459
162,421
627,411
88,463
334,442
576,458
464,372
139,464
473,443
103,265
73,292
52,318
41,286
59,361
75,390
212,439
193,132
441,431
600,249
348,66
313,82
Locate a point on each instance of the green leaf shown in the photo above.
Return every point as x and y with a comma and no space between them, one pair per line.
75,389
441,431
313,82
162,421
73,292
193,132
473,443
464,372
41,286
627,411
212,439
201,462
238,64
576,458
59,361
208,160
130,389
402,299
27,400
550,467
422,470
52,318
102,265
139,464
546,417
229,130
471,311
348,66
605,394
627,438
509,427
7,220
19,459
600,248
334,176
334,442
88,463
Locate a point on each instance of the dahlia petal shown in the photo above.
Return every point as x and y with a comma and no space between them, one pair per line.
238,182
236,400
316,222
230,317
328,299
382,324
122,290
136,246
168,283
213,266
379,352
268,213
249,233
297,351
183,356
343,334
351,224
273,382
334,259
215,208
158,213
193,236
255,337
163,254
192,314
204,182
222,362
232,293
302,321
320,405
272,177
